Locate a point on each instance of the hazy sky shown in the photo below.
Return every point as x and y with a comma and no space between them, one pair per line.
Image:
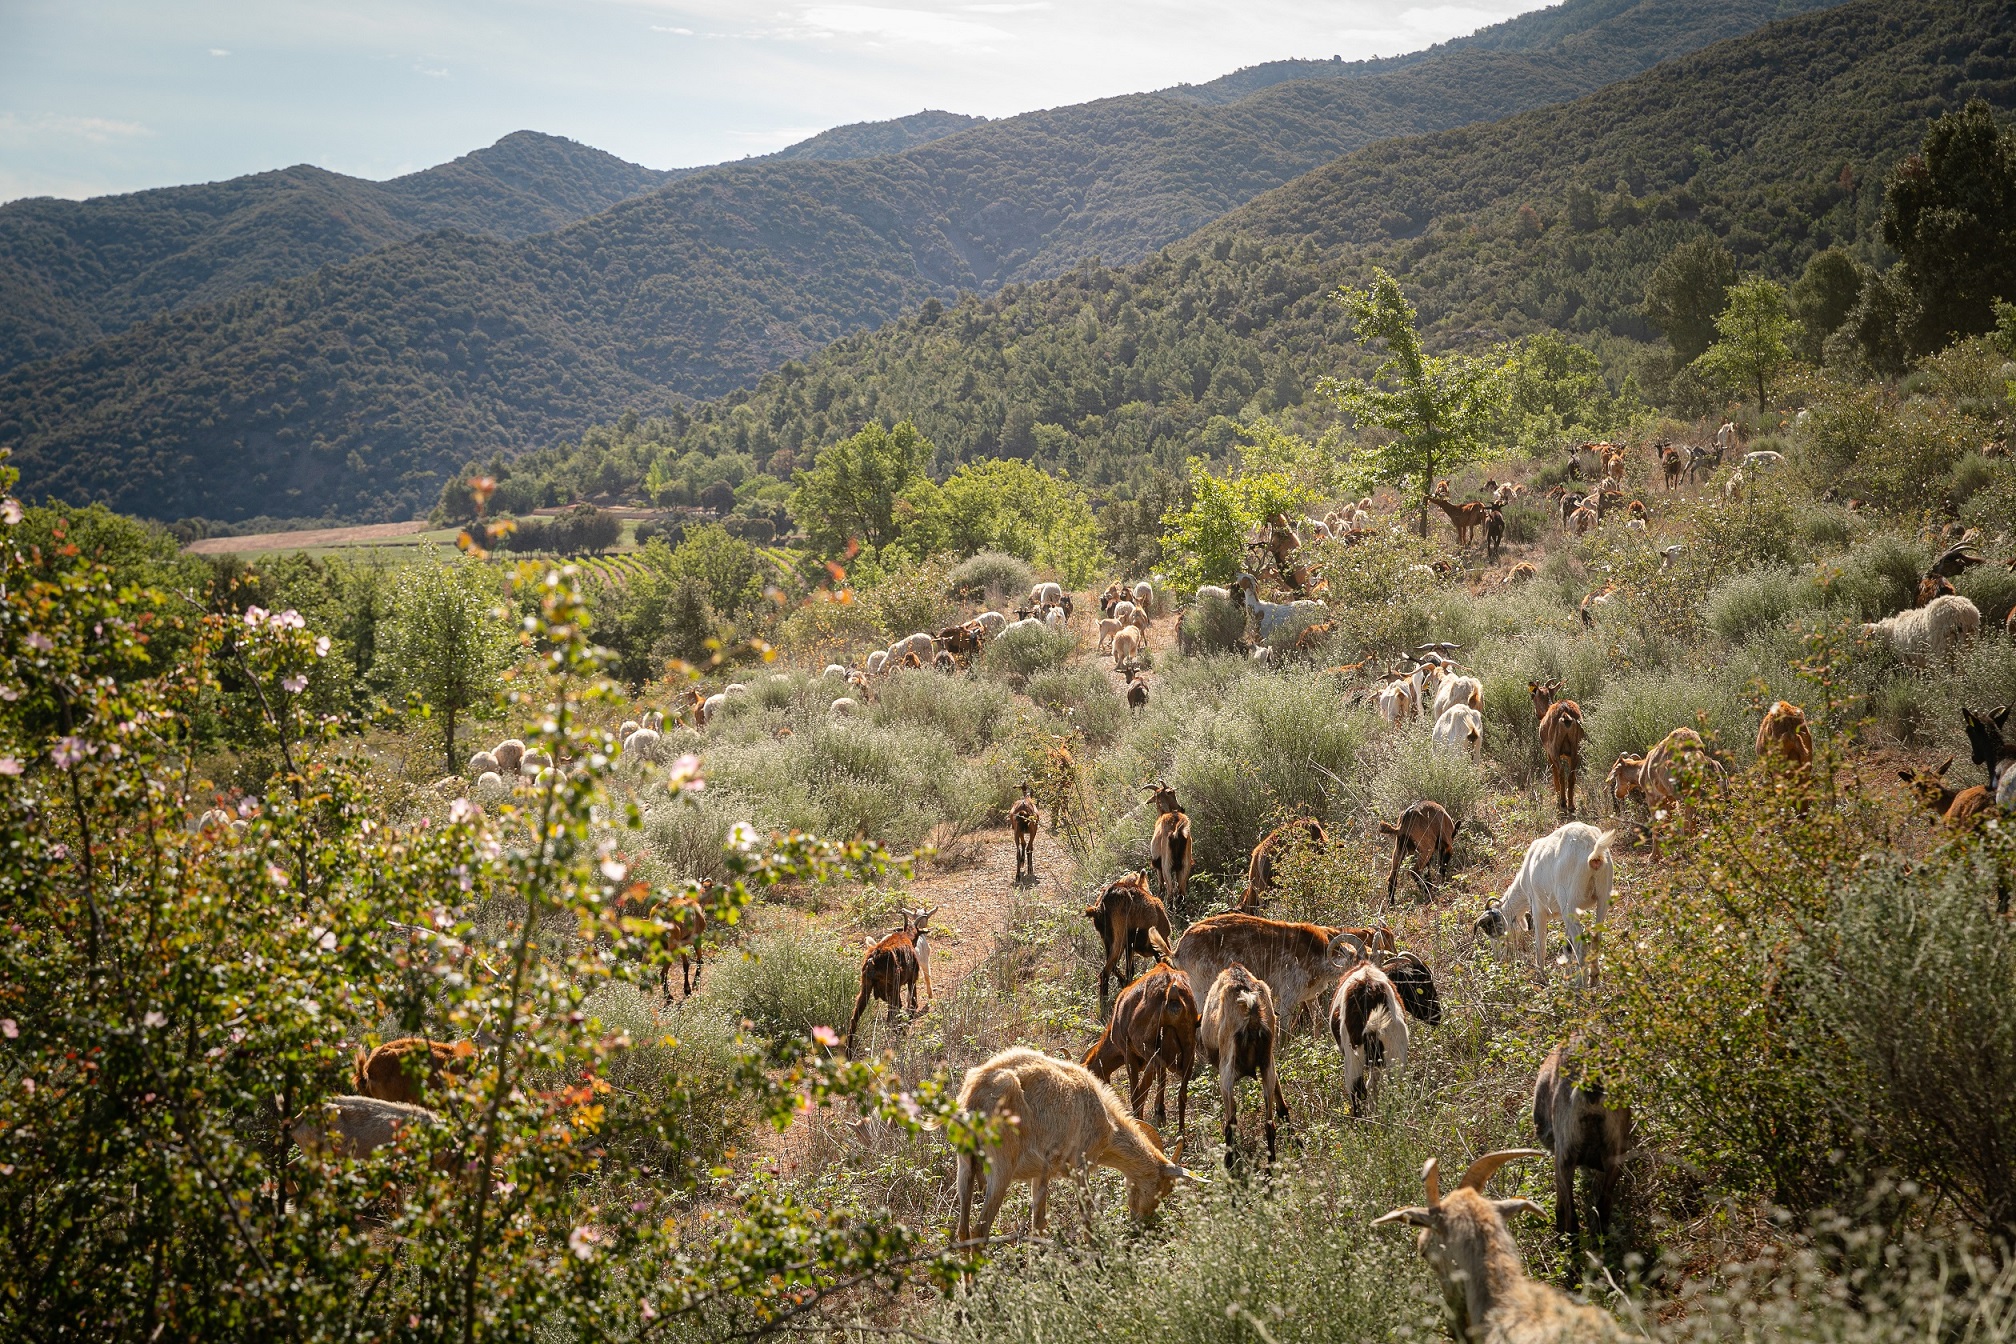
113,95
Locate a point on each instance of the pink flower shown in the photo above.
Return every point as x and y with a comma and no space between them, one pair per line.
39,642
8,1029
10,511
582,1241
255,616
644,1308
321,646
154,1019
614,871
289,619
295,684
276,874
68,751
462,810
826,1036
9,766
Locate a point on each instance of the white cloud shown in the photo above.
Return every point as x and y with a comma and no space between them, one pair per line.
900,25
679,32
19,130
1005,9
219,51
431,71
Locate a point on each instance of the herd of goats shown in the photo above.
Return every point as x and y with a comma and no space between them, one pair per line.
1259,975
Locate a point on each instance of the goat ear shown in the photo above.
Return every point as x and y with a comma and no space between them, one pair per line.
2001,716
1906,776
1511,1206
1412,1217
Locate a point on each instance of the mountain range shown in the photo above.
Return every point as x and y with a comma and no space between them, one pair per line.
351,391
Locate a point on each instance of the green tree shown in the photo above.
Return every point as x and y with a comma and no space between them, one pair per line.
1433,408
1546,387
1685,293
850,494
1005,505
445,640
1758,336
1204,540
1824,295
1950,211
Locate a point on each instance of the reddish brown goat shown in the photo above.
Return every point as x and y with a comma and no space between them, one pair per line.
679,922
1169,847
1426,831
1785,733
1672,463
1260,867
1561,738
1153,1033
1958,808
404,1070
888,969
1931,586
1465,518
1125,914
1024,823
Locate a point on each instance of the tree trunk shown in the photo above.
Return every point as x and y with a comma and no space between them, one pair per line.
448,719
1427,485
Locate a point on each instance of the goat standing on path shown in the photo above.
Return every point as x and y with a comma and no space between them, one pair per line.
1561,736
1023,823
889,968
1239,1033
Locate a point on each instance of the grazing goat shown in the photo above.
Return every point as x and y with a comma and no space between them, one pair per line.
482,763
1924,633
1465,518
1057,1120
1412,979
1169,848
1494,531
1126,647
403,1070
1665,773
1565,872
1260,867
889,968
1153,1033
1396,701
1461,729
1269,616
1126,916
1958,808
1144,597
1523,572
1369,1026
1137,691
1299,962
1672,463
1561,738
1931,588
1985,742
355,1126
1784,733
1484,1284
1426,831
1238,1033
1581,1132
1458,691
1023,824
1046,595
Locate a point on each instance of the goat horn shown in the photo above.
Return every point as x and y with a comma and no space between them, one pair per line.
1431,1177
1486,1166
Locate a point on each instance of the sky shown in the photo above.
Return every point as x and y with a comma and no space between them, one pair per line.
100,96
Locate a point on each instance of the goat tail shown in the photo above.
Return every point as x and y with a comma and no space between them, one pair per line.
1600,855
1388,828
357,1080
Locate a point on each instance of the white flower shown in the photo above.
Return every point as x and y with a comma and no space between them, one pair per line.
276,874
153,1019
255,616
582,1241
289,619
614,870
39,642
461,810
10,511
321,646
742,836
295,684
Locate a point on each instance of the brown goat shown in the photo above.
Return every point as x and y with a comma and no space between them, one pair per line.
1260,867
1169,848
1153,1033
679,922
1465,518
1126,915
888,969
1672,462
1024,823
404,1070
1561,738
1785,733
1137,690
1426,831
1581,1132
1958,808
1931,586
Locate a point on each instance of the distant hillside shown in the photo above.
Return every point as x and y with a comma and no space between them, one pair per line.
863,139
354,392
72,271
1114,373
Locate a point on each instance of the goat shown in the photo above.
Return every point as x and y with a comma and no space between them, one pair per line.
1931,588
1784,733
1396,702
1494,531
1238,1034
1458,691
1484,1284
1561,736
1523,572
1581,1132
1046,595
1270,616
1137,691
1923,633
1985,743
1260,866
678,921
1461,730
1144,597
1958,808
1426,831
1169,848
1411,978
888,968
1023,823
355,1126
403,1070
1675,762
1153,1033
1126,916
1672,463
1465,518
1056,1119
1108,628
1369,1026
1116,591
1126,647
1566,871
1299,962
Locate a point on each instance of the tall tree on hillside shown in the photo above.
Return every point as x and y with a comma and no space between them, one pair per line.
1685,293
1950,211
1758,337
1824,295
1433,407
850,493
446,642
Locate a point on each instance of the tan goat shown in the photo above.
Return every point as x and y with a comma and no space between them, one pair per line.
1426,831
1784,733
1169,848
1238,1034
1561,736
1153,1033
405,1069
1260,867
1057,1120
1024,823
1127,916
1464,1240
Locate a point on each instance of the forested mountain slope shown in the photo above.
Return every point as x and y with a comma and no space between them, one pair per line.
864,139
73,271
351,392
1503,230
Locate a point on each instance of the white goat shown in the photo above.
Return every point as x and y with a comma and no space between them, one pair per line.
1369,1026
845,707
1923,633
1763,460
1460,729
1396,701
834,670
482,763
1047,595
352,1126
1213,590
993,622
1144,596
1123,612
1108,628
1565,872
1272,616
1458,691
877,661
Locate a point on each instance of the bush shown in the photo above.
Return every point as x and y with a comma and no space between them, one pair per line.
1743,605
1096,709
1511,731
991,576
784,981
694,1069
1878,578
1413,768
1213,625
1020,654
972,714
1991,588
1526,523
1638,709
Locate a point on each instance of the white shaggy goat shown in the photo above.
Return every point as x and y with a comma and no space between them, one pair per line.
993,622
834,670
1924,633
1565,872
482,763
1396,701
1460,729
1484,1284
1213,590
352,1126
1458,691
1047,595
1059,1120
1144,596
877,661
1272,617
1370,1027
845,707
